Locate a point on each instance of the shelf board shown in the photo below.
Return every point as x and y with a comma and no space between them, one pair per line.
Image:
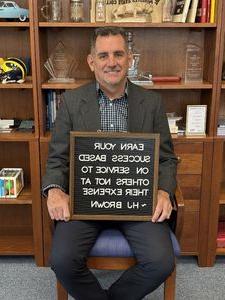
178,86
46,138
223,84
16,245
25,197
128,24
14,24
222,194
17,137
66,86
184,138
156,86
26,85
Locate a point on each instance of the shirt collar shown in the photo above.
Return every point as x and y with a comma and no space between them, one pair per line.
98,90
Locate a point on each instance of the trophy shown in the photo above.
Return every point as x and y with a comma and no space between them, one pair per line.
133,69
194,64
52,10
60,64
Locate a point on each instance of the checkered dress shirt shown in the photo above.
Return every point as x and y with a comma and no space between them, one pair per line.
114,113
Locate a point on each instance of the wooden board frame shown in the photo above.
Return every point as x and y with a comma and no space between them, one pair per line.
151,140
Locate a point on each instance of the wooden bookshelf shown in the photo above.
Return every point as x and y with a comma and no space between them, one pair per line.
20,218
165,42
218,171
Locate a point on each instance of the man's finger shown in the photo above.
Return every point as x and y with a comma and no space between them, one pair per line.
156,214
66,213
51,214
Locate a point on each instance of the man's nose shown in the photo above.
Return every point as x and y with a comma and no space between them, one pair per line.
111,61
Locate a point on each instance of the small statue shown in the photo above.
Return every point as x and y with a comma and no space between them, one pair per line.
132,9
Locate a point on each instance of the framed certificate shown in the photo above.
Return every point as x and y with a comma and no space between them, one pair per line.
196,119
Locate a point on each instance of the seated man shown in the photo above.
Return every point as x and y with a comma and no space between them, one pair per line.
112,103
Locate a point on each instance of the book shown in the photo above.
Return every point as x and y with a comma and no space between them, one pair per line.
199,10
204,11
166,78
212,11
208,11
181,10
221,235
192,12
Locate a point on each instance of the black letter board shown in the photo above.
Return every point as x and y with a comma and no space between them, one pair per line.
113,176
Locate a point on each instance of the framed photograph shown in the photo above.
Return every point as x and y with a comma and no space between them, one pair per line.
196,119
113,175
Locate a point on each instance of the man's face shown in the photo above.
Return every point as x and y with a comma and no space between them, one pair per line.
110,60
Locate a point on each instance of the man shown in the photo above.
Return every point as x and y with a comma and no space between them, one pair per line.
111,103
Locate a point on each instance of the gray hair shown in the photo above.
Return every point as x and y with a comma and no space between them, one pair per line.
107,31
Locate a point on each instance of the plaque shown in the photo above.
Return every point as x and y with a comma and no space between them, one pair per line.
126,11
60,64
194,64
113,175
196,119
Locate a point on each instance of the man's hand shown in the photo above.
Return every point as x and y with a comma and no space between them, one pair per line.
58,205
163,207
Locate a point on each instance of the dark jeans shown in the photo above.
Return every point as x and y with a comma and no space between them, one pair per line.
149,241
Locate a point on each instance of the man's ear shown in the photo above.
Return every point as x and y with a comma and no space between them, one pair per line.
90,62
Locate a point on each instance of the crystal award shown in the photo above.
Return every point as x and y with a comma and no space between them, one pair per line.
60,64
194,64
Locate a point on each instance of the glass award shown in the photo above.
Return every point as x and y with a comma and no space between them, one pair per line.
60,64
133,69
194,64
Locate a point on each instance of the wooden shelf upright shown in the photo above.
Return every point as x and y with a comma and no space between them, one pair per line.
21,219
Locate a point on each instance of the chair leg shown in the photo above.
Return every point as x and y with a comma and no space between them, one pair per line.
170,286
61,292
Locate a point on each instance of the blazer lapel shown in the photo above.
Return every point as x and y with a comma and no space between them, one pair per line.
135,109
90,109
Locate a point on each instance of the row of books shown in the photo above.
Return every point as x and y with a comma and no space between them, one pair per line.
9,125
191,11
53,101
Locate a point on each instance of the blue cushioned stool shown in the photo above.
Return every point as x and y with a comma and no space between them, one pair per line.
111,251
112,243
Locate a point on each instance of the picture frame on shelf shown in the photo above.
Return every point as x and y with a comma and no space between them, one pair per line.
196,120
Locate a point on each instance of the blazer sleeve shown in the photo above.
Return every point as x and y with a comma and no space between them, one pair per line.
167,158
57,168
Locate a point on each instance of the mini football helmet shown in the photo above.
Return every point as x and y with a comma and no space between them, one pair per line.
12,70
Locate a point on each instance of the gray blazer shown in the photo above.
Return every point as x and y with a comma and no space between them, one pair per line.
80,112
